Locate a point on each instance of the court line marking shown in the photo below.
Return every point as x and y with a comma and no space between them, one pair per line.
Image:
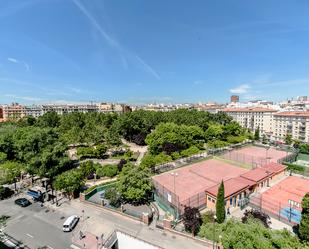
29,235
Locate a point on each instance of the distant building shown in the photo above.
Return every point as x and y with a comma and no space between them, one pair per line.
13,112
234,98
69,108
302,98
1,114
295,123
253,118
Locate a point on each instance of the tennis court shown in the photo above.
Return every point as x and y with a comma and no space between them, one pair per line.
186,186
283,201
303,160
256,156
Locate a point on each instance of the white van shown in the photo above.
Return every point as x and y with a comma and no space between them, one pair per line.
70,223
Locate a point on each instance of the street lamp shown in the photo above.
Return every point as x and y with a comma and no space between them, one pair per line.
214,226
175,174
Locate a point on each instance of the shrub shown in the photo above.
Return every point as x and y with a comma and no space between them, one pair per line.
113,196
107,170
190,151
86,152
256,214
5,192
100,150
208,217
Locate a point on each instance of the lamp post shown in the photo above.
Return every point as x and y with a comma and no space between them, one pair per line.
267,148
214,231
175,174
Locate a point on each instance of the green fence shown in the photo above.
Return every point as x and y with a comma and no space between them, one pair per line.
99,188
165,206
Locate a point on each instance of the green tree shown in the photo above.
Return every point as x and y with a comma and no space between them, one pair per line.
257,134
134,184
69,181
251,234
304,223
113,196
214,132
288,139
220,204
49,120
10,171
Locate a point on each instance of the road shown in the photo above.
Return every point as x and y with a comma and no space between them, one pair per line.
35,226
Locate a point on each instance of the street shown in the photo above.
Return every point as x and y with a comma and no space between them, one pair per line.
39,226
35,226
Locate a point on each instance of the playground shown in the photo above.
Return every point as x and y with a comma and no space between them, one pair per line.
283,201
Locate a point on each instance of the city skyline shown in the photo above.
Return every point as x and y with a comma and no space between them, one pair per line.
160,52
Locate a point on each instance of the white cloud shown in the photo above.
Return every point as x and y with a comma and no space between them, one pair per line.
13,60
114,43
148,68
27,98
16,61
241,89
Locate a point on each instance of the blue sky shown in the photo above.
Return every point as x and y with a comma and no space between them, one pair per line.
141,51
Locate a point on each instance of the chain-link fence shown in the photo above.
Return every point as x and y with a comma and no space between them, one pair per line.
179,163
285,212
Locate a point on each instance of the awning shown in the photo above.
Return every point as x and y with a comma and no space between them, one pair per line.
34,194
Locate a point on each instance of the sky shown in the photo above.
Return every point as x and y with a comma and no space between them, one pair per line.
141,51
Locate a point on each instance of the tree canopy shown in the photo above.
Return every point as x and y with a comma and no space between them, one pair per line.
134,184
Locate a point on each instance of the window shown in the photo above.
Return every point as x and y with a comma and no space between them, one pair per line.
209,198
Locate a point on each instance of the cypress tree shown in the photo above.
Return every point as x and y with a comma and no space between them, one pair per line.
304,223
220,207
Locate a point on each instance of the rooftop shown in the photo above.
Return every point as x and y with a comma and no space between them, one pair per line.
293,114
249,109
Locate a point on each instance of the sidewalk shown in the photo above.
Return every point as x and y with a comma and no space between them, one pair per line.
101,222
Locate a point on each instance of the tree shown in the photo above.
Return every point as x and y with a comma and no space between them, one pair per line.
69,181
256,214
49,120
113,196
10,171
252,234
134,184
304,223
264,139
220,204
192,219
257,134
288,139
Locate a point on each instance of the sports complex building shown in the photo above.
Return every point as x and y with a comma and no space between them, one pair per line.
197,185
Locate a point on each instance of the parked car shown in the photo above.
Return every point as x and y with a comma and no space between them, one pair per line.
23,202
70,223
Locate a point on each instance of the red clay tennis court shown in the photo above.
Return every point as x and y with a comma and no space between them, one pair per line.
284,199
256,156
186,186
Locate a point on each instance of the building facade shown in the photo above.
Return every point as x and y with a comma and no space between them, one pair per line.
295,123
253,118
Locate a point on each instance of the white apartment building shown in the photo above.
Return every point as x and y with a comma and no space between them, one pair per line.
295,123
34,111
253,118
69,108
